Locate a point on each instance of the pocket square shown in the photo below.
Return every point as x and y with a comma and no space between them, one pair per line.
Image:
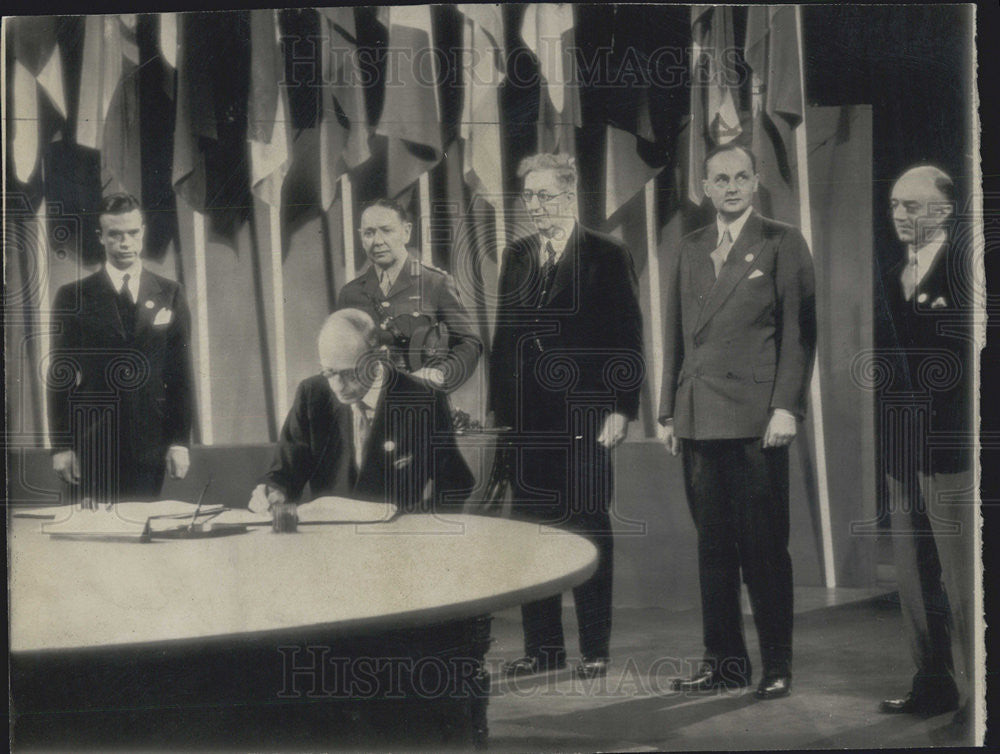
400,463
939,303
163,317
755,274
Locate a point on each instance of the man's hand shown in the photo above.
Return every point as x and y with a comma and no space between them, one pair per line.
430,376
780,430
178,461
670,441
614,431
67,466
264,497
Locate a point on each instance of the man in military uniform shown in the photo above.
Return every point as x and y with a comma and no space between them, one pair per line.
417,308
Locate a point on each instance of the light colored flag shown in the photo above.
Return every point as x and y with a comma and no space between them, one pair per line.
772,52
625,171
268,127
547,30
480,128
715,118
411,114
168,38
344,131
37,69
108,112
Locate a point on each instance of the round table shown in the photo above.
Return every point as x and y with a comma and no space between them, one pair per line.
256,624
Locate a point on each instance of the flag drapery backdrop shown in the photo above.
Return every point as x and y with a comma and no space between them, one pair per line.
253,138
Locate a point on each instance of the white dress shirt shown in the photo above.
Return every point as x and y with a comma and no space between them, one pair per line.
363,413
921,260
734,228
558,242
118,276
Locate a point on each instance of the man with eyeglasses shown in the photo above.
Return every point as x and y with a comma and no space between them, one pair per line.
417,308
565,374
739,340
362,429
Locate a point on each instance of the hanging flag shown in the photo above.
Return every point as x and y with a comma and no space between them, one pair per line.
547,30
480,127
344,131
37,66
268,128
168,38
108,113
772,52
411,113
715,118
210,128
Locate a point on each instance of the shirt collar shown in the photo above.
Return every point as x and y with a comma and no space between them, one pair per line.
392,272
370,399
927,253
558,243
117,276
735,227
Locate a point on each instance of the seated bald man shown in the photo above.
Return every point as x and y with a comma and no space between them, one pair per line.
364,430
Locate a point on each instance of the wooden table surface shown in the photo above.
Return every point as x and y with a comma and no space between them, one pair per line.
418,569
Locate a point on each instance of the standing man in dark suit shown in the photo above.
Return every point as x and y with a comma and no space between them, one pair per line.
739,341
362,429
565,374
120,380
417,307
928,409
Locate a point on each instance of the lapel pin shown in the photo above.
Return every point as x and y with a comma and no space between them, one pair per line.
748,258
389,446
922,298
149,304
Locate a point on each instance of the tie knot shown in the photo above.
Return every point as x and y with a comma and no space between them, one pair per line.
550,253
126,277
727,238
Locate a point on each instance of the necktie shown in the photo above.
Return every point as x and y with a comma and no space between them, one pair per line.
126,307
548,272
721,252
910,277
362,429
384,283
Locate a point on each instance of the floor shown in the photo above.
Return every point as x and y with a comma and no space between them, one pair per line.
849,654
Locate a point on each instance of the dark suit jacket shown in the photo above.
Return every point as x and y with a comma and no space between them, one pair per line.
931,361
411,442
145,373
432,296
736,348
583,345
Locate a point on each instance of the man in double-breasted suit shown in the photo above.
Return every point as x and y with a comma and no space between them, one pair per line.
927,418
417,308
739,342
120,381
365,430
565,374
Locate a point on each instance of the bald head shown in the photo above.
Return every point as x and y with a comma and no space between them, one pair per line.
345,341
922,201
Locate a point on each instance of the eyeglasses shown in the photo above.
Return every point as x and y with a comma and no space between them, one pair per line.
543,196
722,181
342,373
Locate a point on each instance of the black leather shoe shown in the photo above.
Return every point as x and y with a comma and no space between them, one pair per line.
593,667
911,704
774,686
529,665
708,679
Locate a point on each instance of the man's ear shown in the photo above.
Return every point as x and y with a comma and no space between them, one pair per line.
407,231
